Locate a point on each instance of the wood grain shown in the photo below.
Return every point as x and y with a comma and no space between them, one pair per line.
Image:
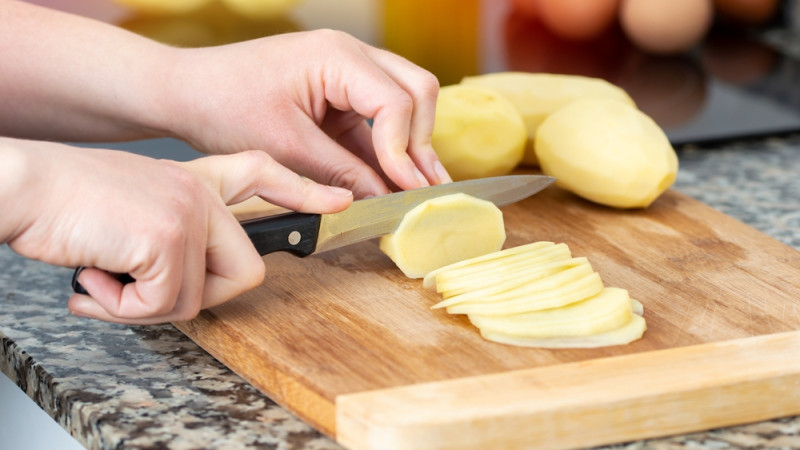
348,321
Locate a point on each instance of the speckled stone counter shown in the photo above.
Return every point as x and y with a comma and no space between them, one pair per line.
114,386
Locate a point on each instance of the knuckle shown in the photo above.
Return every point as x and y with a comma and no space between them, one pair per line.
427,84
345,176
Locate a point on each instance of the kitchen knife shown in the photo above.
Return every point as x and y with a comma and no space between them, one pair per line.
304,234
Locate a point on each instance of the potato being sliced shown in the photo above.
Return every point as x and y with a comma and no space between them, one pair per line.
443,230
627,333
608,310
531,300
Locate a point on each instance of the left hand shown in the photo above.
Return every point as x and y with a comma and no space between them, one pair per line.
304,98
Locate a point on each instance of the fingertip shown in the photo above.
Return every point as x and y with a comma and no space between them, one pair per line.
80,305
441,173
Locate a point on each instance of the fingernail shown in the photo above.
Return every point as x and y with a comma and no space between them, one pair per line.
342,192
80,314
441,172
421,178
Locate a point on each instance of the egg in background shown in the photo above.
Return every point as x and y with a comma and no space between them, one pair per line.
578,20
666,26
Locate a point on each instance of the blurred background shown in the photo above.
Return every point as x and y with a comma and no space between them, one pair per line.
705,70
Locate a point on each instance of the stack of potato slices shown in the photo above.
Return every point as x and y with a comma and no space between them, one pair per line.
538,295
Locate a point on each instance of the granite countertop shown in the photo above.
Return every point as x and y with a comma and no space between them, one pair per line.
115,386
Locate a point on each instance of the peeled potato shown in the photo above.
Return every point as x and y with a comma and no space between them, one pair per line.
442,231
537,95
477,132
608,152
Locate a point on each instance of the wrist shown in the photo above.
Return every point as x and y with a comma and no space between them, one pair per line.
16,187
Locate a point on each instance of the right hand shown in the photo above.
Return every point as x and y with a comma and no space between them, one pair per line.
164,223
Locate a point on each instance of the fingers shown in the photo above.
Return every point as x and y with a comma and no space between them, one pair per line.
239,176
401,99
423,89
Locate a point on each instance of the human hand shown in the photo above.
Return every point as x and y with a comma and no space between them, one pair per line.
164,223
304,98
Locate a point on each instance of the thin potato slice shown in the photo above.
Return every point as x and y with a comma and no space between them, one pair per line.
608,310
443,230
556,281
638,307
513,281
533,300
452,280
631,331
430,278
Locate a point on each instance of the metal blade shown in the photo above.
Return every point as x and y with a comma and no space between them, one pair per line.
376,216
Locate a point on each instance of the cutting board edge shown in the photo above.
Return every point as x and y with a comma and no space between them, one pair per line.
280,387
449,414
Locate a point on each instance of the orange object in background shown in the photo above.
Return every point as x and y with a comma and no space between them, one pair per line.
747,12
440,36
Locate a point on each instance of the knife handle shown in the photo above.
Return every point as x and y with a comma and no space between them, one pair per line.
293,232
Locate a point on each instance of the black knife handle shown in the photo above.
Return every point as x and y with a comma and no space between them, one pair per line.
293,232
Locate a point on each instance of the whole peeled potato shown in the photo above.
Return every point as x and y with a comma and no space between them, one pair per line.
537,95
608,152
477,132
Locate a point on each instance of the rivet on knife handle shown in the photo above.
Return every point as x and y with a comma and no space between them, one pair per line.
294,232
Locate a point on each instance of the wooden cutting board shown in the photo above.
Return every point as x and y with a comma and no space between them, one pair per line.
349,344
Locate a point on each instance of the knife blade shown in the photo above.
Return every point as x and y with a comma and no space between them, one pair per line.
306,234
303,234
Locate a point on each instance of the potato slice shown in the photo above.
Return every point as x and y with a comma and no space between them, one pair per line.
608,152
480,290
627,333
478,261
477,132
608,310
528,299
444,230
454,282
537,95
638,307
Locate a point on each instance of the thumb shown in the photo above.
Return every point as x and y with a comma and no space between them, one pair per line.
239,176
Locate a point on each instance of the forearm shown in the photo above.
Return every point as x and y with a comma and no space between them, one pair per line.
65,77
